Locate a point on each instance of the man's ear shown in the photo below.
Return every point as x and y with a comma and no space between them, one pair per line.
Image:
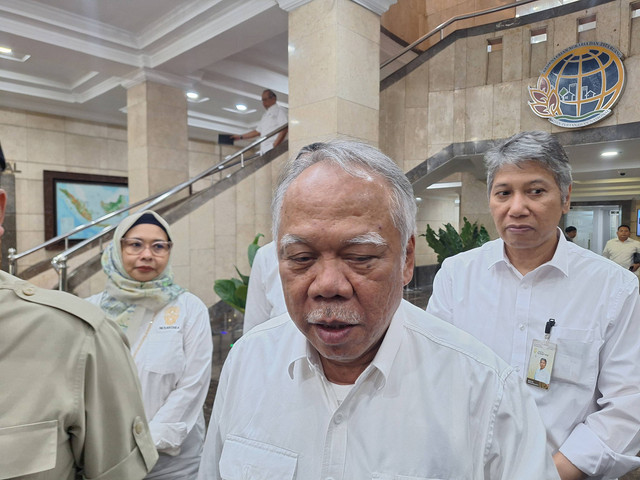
409,261
567,204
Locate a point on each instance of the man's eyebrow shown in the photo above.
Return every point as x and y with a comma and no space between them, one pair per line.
373,238
289,239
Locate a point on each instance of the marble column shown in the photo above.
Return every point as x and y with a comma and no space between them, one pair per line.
157,138
334,71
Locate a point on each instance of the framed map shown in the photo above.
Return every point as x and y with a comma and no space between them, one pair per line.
73,199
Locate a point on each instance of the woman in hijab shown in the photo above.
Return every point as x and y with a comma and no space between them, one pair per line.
170,336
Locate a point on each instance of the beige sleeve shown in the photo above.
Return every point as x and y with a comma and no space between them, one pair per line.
114,442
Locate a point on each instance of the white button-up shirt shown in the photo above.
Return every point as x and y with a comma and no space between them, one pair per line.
265,298
274,117
433,404
173,358
621,252
592,406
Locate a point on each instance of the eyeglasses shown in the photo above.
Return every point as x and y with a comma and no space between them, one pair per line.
135,246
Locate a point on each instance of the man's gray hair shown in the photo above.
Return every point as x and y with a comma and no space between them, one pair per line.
534,146
359,160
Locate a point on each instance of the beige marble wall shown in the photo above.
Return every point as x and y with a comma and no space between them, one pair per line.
157,138
448,100
333,72
209,241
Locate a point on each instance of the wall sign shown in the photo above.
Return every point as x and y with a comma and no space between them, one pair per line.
580,85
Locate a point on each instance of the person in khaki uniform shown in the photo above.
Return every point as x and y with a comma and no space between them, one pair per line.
70,402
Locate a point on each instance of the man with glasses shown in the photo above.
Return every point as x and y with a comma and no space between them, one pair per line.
274,117
70,403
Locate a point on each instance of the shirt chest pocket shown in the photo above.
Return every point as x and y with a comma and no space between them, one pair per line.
577,357
164,353
244,459
28,449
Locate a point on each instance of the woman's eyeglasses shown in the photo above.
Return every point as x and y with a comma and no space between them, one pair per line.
135,246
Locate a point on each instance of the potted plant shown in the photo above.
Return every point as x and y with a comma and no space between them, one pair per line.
449,242
233,291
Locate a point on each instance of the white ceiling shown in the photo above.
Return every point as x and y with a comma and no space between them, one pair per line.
84,53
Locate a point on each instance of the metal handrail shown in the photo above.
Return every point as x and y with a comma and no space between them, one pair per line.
440,28
59,262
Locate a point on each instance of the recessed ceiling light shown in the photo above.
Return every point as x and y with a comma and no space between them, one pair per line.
609,153
5,50
241,107
193,95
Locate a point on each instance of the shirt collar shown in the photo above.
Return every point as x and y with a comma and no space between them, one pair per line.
302,350
559,261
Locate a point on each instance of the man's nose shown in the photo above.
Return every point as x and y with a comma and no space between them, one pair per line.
518,205
330,280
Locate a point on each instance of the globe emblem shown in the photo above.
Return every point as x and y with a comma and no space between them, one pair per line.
580,85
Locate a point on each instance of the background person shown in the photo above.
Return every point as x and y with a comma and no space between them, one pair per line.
265,298
622,249
362,384
570,233
70,405
505,293
170,336
274,116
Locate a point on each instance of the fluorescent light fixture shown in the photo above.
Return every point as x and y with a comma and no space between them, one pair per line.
193,95
8,54
610,153
444,185
241,107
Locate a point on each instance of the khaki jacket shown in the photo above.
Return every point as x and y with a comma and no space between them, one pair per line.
70,399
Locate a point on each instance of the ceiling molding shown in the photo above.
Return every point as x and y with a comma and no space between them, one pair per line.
376,6
37,11
220,23
69,42
289,5
149,75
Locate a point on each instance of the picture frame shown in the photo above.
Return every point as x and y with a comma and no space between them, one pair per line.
73,199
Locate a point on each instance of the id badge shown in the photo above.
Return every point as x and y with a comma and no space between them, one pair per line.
541,360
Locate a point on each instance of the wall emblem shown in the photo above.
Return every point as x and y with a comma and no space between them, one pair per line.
580,85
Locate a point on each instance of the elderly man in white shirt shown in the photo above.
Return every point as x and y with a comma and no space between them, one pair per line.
273,117
354,382
511,292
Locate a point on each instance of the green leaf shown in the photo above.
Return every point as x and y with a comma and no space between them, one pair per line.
245,278
225,289
253,249
448,242
233,291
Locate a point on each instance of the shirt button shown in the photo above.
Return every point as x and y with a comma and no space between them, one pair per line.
338,418
521,326
29,291
517,369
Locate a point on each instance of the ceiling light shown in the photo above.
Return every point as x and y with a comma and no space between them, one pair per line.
610,153
192,95
8,54
241,107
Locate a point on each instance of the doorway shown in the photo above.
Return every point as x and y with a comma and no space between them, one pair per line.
596,225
